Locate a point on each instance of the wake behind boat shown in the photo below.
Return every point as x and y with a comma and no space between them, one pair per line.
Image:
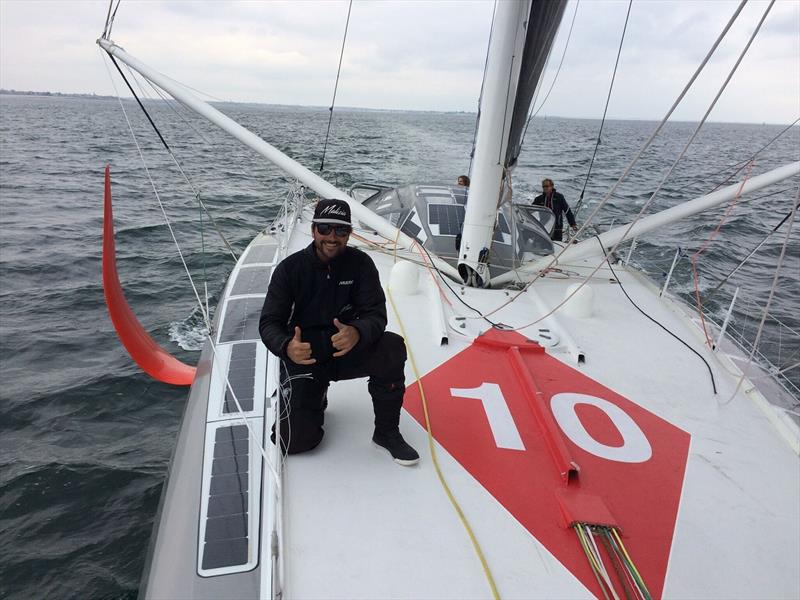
581,438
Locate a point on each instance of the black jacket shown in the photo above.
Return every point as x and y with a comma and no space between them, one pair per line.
559,206
308,293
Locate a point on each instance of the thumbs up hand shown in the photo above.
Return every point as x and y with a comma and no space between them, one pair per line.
298,351
345,338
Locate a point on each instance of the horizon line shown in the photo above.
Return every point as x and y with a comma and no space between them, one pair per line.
14,92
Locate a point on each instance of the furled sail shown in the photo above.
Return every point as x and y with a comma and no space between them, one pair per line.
545,16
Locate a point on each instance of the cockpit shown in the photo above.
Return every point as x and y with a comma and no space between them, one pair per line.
434,215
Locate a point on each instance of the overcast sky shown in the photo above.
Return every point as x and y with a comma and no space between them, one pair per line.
414,55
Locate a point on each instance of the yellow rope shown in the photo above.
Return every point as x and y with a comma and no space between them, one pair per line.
486,571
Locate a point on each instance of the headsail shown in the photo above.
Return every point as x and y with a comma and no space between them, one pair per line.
542,28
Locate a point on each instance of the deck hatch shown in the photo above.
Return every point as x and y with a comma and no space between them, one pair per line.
241,375
252,280
240,322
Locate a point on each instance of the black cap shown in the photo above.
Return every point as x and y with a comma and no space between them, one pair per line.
333,211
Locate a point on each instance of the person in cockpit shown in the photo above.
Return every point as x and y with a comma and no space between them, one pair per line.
555,201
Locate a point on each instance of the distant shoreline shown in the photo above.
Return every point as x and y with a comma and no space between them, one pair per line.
56,94
92,96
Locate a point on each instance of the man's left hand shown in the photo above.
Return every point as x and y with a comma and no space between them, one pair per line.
345,339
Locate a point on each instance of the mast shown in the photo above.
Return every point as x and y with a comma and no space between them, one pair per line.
522,35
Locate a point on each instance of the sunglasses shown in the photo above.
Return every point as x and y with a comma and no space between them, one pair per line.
339,230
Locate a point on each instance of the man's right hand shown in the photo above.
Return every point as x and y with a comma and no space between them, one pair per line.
298,351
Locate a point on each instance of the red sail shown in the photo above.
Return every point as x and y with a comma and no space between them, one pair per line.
152,358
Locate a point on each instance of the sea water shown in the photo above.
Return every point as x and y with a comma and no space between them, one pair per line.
85,437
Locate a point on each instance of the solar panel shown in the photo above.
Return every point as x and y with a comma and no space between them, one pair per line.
241,320
241,375
263,253
253,280
446,219
226,537
411,228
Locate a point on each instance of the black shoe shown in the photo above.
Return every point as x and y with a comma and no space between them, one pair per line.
401,452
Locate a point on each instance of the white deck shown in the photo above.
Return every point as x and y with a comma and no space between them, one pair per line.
358,526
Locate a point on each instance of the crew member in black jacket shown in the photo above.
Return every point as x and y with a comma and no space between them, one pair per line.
555,202
325,316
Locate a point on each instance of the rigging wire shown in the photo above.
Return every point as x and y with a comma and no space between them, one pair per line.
335,87
636,306
605,110
483,83
206,317
743,163
769,299
705,245
169,102
173,156
724,280
111,21
622,178
677,160
553,83
108,17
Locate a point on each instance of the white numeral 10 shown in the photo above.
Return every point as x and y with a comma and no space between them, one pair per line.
634,449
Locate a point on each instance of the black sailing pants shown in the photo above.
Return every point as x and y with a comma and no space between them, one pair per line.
303,392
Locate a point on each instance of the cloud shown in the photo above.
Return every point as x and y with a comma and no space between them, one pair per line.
412,55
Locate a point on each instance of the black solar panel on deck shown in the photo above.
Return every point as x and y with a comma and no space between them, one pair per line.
229,484
226,526
230,464
260,254
410,228
235,432
253,280
241,320
448,217
225,553
227,504
231,448
241,375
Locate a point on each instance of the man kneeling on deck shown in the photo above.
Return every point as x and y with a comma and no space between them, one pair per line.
325,316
